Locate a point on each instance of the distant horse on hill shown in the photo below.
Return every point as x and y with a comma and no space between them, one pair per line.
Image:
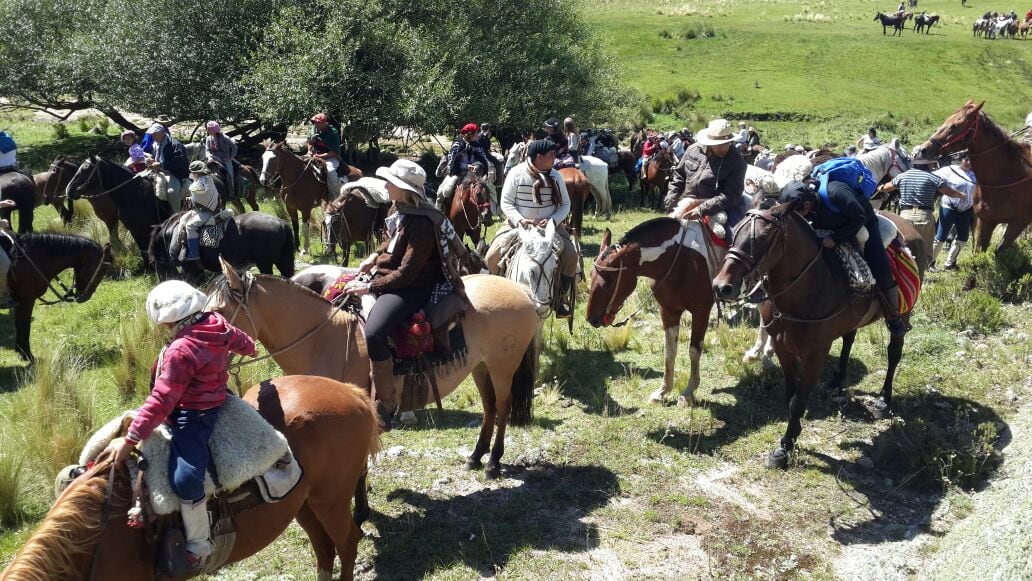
895,22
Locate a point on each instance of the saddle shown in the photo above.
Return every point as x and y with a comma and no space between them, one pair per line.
859,278
251,464
211,232
372,191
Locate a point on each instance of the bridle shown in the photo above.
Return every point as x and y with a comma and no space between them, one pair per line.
751,263
972,129
95,174
70,294
57,170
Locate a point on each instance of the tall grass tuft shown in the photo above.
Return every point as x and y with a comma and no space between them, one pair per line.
952,307
616,339
11,510
140,341
1006,275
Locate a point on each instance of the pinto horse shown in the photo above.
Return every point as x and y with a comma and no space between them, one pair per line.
332,430
657,176
1003,168
679,277
36,260
306,334
896,22
468,206
810,306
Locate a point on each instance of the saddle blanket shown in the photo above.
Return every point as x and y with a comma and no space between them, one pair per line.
211,232
373,191
859,276
243,447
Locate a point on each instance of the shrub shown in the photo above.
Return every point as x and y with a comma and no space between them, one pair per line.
665,34
60,131
1006,275
697,30
975,309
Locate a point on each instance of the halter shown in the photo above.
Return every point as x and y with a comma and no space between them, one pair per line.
973,127
55,168
100,180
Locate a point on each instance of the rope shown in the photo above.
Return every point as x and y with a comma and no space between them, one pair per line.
66,297
103,521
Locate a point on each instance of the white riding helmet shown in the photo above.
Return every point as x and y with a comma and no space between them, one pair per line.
173,301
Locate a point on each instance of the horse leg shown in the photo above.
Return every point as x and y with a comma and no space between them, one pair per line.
340,526
361,513
1014,229
984,234
753,354
671,330
797,392
883,405
322,544
22,328
700,320
306,228
25,217
840,374
487,397
502,408
294,226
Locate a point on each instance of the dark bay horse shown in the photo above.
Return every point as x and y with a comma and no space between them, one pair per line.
252,238
51,184
1003,168
625,165
657,177
139,210
332,430
14,185
469,205
38,258
349,220
810,306
680,280
924,23
896,22
227,192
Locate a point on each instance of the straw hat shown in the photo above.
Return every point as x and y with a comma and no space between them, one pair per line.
717,133
404,174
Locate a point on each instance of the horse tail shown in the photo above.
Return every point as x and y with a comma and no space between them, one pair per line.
522,391
285,264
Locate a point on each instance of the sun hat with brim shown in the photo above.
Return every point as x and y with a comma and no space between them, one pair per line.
127,133
405,174
717,133
173,301
198,167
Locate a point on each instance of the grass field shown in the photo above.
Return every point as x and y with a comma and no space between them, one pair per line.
604,485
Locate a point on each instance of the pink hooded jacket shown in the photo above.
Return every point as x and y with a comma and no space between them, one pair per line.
193,372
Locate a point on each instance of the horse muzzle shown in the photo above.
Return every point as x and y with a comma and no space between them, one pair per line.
725,290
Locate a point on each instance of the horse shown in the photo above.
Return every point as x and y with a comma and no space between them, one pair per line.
809,306
36,259
597,173
679,276
579,189
332,430
227,191
14,185
468,206
306,334
302,185
1024,28
534,267
252,238
139,210
626,165
50,186
925,22
657,176
350,219
895,22
886,162
1003,168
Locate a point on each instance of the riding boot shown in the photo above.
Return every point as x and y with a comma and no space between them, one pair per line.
936,248
197,529
563,311
193,249
890,306
444,203
955,250
386,392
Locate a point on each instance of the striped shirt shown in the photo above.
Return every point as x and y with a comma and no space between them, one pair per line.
963,182
917,188
518,197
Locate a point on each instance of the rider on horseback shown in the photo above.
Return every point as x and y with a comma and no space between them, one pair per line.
417,264
484,141
221,149
8,153
845,212
170,160
189,379
563,156
324,143
137,157
205,200
465,155
534,193
648,148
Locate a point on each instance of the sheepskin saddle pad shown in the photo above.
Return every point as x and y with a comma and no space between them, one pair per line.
243,447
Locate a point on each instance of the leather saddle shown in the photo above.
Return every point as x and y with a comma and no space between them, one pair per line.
211,232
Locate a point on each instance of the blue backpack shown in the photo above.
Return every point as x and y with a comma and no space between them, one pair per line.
847,170
6,142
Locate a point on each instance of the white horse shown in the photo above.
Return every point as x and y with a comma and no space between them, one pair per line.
535,266
597,172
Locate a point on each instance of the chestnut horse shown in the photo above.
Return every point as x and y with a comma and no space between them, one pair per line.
306,334
1003,168
332,430
679,278
469,204
810,306
657,176
579,189
349,220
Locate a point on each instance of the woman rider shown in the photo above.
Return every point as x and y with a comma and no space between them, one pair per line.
418,260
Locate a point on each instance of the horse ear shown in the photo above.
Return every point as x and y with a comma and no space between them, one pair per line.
607,239
231,275
978,107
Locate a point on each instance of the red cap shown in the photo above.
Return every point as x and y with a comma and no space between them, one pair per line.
319,118
469,128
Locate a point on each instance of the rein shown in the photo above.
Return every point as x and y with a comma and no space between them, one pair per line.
100,181
103,521
301,175
69,293
973,128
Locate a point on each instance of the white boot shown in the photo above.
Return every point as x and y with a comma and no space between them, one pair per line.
197,528
936,248
951,258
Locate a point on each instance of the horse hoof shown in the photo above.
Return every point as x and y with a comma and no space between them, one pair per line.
656,396
750,356
493,471
685,401
880,410
407,419
778,459
473,464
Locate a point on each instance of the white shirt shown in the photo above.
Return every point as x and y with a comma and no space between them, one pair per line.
9,159
962,181
518,197
869,142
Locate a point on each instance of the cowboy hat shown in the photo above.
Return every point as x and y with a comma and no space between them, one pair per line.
198,167
174,300
717,133
404,174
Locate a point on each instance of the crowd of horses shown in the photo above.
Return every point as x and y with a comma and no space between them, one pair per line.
324,400
989,26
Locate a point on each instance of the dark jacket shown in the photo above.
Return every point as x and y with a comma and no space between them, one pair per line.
463,154
854,211
415,260
173,158
720,181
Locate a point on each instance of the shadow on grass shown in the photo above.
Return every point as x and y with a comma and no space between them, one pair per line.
79,146
429,418
587,380
484,530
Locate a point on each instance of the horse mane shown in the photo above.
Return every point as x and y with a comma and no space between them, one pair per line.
57,242
71,529
220,282
1013,146
646,227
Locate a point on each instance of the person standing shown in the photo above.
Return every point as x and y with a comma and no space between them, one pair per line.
917,190
955,212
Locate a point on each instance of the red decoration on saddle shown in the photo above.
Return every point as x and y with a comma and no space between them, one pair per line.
414,337
905,271
718,240
337,288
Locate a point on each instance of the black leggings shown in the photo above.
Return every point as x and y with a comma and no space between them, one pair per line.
390,310
876,257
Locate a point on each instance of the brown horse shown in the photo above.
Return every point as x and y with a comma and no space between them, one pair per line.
306,334
657,177
679,278
579,189
1003,168
810,306
302,185
39,258
468,206
625,165
50,186
332,430
349,220
14,185
227,192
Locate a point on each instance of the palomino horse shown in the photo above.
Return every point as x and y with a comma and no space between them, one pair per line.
350,219
332,430
679,275
1002,165
306,334
302,186
37,259
139,210
51,184
896,22
657,177
14,185
468,206
810,306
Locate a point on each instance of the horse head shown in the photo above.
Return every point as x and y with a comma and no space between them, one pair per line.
537,264
85,176
88,274
270,164
610,285
957,132
757,246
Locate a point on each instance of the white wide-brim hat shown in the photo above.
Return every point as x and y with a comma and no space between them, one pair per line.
718,132
405,174
173,301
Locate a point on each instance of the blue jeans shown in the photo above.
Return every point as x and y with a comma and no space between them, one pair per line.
948,218
189,454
